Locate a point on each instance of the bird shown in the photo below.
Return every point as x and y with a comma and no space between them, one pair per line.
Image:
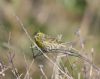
50,44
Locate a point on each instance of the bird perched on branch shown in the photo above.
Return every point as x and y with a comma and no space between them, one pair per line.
50,44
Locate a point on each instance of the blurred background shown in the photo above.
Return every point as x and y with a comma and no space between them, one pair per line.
51,17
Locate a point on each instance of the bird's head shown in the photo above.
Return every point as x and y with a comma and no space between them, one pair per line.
39,36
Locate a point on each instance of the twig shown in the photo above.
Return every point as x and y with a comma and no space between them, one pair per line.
79,75
78,33
91,68
41,69
57,73
3,68
27,74
29,69
10,57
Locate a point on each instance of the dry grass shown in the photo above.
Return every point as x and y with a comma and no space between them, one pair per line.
62,66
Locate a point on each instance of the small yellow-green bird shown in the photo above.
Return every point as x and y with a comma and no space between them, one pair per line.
50,44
